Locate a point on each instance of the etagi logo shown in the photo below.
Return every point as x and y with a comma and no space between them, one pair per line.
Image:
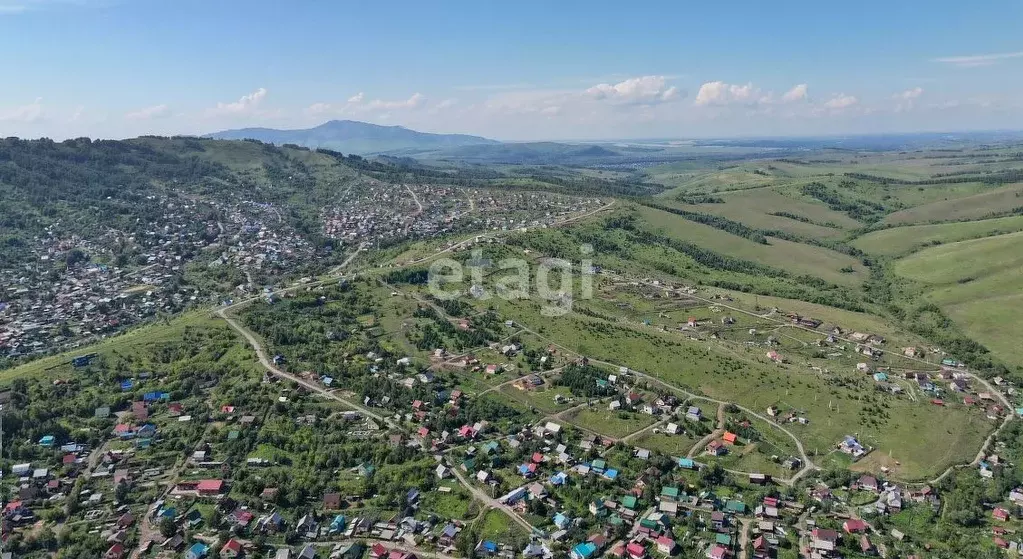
513,280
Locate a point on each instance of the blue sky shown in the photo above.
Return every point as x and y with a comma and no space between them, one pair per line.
510,70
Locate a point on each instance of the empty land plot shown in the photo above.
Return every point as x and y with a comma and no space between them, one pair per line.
977,206
616,424
797,258
543,398
904,240
672,445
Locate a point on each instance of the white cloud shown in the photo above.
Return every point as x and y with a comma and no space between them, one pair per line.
413,102
33,112
318,109
77,115
979,59
149,113
910,94
247,104
907,99
721,93
841,101
357,98
446,104
645,89
797,93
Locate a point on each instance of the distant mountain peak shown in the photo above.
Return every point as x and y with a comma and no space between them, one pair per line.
353,136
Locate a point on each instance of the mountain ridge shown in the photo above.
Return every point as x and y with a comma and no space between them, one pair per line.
352,136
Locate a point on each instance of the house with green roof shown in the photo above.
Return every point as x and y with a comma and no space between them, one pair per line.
669,493
735,507
629,502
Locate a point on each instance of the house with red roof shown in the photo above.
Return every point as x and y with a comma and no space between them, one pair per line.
866,547
854,526
210,487
716,448
717,551
1000,514
115,551
232,549
378,551
635,550
666,545
760,548
730,438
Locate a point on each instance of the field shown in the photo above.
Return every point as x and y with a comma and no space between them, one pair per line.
979,285
976,206
760,207
796,257
904,240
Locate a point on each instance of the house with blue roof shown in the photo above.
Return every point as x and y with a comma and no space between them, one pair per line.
488,547
562,521
338,524
197,551
686,463
611,474
127,385
585,550
559,478
47,441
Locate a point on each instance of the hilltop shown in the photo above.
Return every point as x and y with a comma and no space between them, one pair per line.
350,136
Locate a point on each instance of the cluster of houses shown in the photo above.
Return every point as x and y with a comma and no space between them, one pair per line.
89,298
381,213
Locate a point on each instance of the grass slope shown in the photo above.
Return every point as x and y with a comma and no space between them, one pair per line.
976,206
904,240
796,257
979,284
